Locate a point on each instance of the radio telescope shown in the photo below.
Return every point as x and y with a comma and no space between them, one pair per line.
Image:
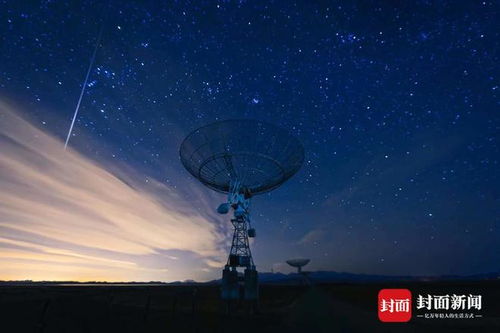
298,263
241,158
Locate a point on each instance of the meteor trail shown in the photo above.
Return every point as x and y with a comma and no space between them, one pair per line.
83,88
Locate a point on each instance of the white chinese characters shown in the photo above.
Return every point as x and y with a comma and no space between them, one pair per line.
446,302
395,305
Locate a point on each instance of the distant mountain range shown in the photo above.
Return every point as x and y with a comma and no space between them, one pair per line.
330,276
292,278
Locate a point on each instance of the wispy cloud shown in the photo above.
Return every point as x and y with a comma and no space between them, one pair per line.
61,209
311,237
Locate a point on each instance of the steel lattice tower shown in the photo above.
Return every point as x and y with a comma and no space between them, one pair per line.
240,246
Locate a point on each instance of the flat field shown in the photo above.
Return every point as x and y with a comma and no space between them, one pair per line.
333,307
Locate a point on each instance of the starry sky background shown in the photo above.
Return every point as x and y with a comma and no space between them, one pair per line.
395,102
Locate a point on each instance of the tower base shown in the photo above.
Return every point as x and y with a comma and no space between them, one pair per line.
230,288
251,284
231,285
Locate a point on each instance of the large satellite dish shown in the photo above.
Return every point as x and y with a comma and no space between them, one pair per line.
258,155
241,158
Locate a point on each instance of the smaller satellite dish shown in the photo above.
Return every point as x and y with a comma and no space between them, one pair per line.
223,208
299,263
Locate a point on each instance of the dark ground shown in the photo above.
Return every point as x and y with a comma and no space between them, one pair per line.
335,307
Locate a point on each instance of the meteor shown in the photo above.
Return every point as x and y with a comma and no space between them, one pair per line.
83,88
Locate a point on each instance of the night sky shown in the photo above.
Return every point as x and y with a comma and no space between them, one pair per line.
395,102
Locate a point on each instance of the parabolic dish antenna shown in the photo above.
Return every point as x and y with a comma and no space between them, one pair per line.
257,155
241,158
298,263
